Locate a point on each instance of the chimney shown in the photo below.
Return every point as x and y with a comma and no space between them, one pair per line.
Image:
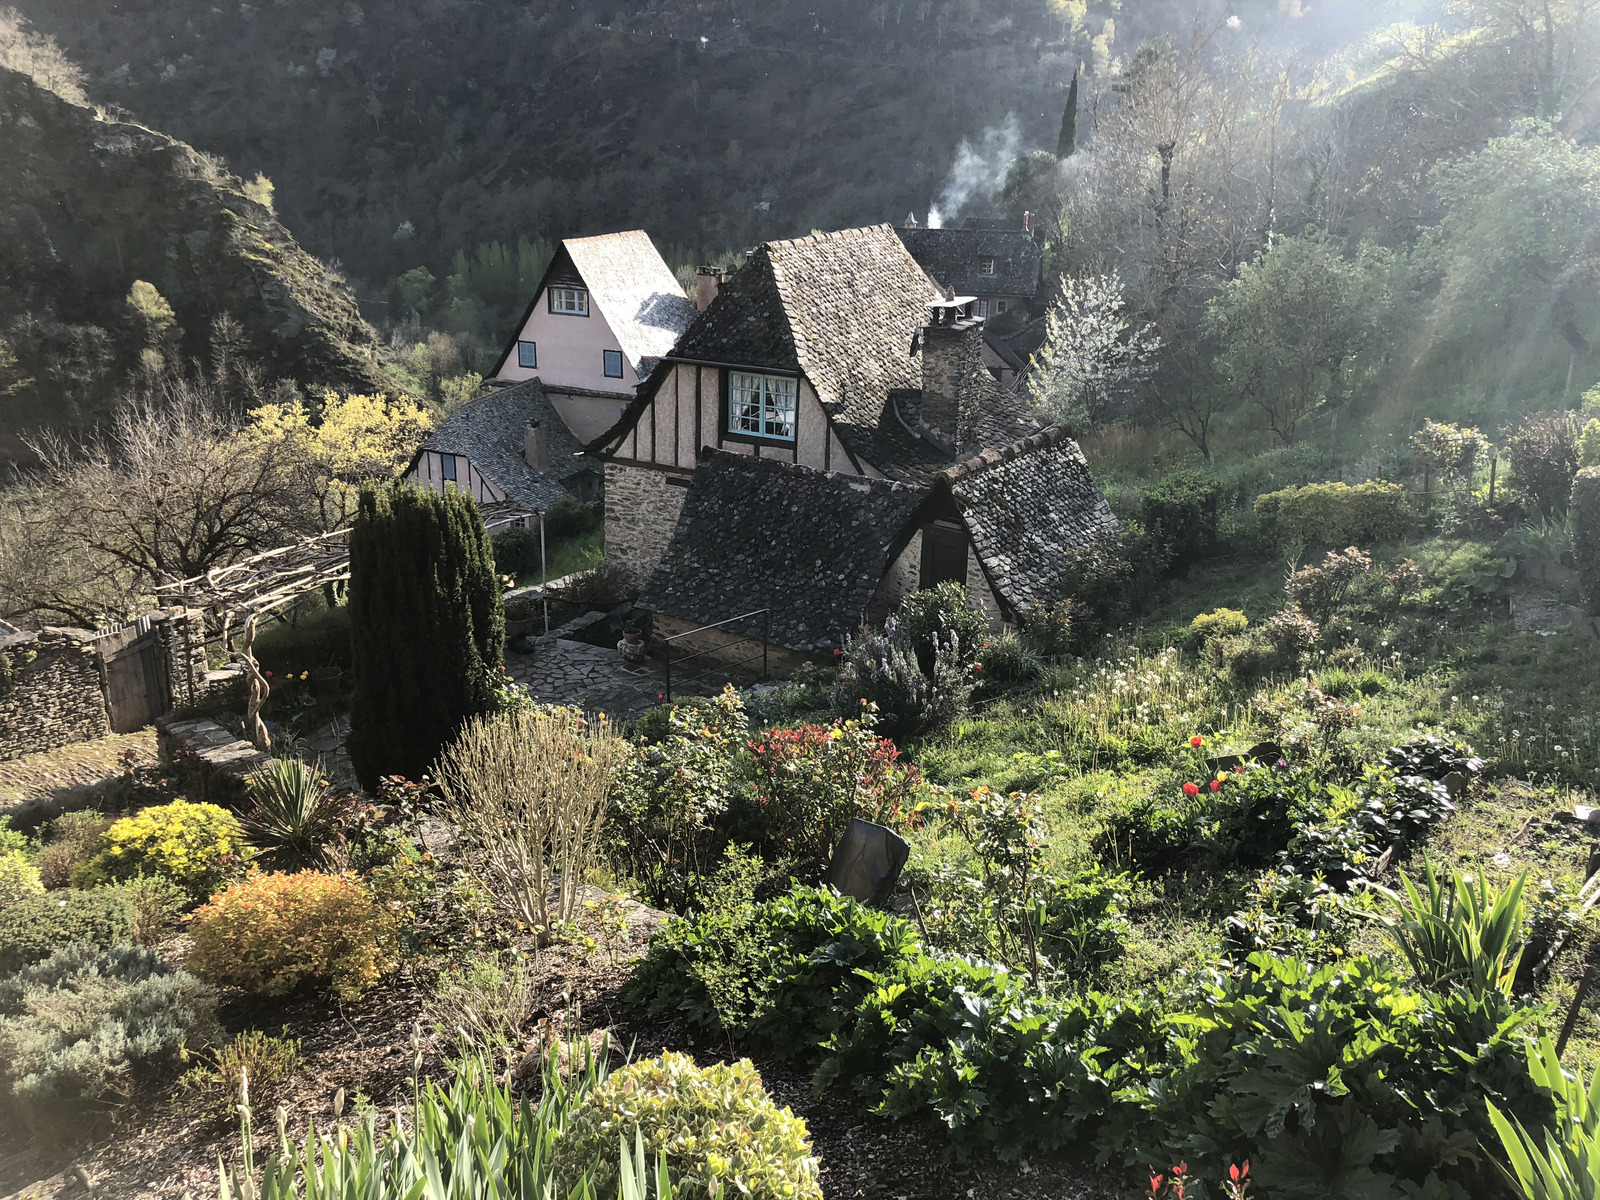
911,221
952,347
707,282
533,450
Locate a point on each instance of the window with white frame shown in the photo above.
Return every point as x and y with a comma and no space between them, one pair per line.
986,265
527,354
572,301
611,363
761,405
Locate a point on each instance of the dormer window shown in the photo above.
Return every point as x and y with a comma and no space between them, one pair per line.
986,265
570,301
761,405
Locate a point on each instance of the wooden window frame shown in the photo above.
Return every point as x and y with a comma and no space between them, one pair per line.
724,422
447,474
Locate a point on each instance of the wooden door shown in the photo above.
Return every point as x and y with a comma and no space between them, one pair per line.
136,684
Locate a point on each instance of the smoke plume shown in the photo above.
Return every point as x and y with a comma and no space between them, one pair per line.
978,171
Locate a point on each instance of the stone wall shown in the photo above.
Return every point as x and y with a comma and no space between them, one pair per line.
642,510
182,635
55,696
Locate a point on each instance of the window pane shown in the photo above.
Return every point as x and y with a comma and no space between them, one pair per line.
612,363
780,398
527,354
447,466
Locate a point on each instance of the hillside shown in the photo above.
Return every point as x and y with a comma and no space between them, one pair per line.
90,205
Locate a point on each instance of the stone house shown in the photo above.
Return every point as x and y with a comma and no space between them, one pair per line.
606,309
511,451
823,440
1000,266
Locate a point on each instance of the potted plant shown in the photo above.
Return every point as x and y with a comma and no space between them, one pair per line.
522,613
325,681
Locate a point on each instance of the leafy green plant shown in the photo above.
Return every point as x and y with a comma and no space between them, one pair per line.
1007,659
1083,920
1586,534
1333,514
1224,622
196,846
211,1088
293,819
69,839
942,620
272,934
1181,513
86,1023
1459,931
1048,629
1542,449
1321,589
37,926
1565,1163
716,1127
472,1140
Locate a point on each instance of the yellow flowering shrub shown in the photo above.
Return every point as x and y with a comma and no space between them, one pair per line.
1225,622
199,847
273,933
716,1125
18,878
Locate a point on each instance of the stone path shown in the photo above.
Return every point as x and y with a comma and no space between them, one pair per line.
593,678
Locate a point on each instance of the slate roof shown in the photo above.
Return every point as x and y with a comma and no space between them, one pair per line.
489,432
843,308
1024,506
951,257
810,544
637,293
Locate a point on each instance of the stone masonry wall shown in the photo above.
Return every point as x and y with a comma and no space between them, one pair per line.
182,636
55,697
641,512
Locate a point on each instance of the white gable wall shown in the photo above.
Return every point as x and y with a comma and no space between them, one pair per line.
569,350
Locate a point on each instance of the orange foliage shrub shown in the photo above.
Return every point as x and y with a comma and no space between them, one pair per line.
274,932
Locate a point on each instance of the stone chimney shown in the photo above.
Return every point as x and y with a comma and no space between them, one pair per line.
707,282
952,359
911,221
533,447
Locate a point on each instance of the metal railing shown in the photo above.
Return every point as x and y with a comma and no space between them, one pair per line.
766,636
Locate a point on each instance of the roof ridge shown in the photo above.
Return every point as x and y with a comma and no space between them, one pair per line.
1053,435
779,466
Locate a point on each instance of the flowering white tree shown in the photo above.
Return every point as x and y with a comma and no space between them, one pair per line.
1093,358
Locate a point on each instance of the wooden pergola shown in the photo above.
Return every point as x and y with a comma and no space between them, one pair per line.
238,596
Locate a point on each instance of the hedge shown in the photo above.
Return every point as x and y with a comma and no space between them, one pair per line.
1334,514
1181,511
1586,533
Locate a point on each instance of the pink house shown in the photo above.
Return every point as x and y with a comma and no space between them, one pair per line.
606,310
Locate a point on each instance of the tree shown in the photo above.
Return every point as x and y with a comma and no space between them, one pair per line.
1067,141
426,626
1093,358
1292,324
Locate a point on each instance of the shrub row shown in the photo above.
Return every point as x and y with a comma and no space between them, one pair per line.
1334,514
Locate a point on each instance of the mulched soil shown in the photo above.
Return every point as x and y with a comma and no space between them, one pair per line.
150,1150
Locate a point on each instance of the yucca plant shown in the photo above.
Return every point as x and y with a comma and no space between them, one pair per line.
1459,930
474,1140
293,813
1565,1165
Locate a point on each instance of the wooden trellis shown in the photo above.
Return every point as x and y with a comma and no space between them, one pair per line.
238,596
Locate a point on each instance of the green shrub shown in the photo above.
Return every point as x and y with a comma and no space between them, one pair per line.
13,839
569,517
717,1128
1181,514
69,839
1334,514
1542,450
19,878
723,713
293,817
86,1022
212,1087
1589,445
516,552
942,620
1224,622
1110,579
1449,450
1586,534
1322,588
1084,922
1007,659
196,846
272,934
37,926
483,1004
1048,629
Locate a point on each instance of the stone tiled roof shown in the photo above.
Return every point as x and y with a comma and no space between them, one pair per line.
489,432
756,533
10,635
951,257
1024,506
843,308
635,291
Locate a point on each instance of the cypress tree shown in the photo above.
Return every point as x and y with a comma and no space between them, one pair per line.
1067,143
427,628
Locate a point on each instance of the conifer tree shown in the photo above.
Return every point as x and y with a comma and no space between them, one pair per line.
1067,143
427,628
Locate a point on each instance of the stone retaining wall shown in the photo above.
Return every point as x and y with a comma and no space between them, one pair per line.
642,510
55,696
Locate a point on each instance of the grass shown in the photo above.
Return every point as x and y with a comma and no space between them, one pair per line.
35,776
581,553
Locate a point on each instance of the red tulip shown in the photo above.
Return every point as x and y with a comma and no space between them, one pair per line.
1197,741
1236,1172
1215,784
1191,790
